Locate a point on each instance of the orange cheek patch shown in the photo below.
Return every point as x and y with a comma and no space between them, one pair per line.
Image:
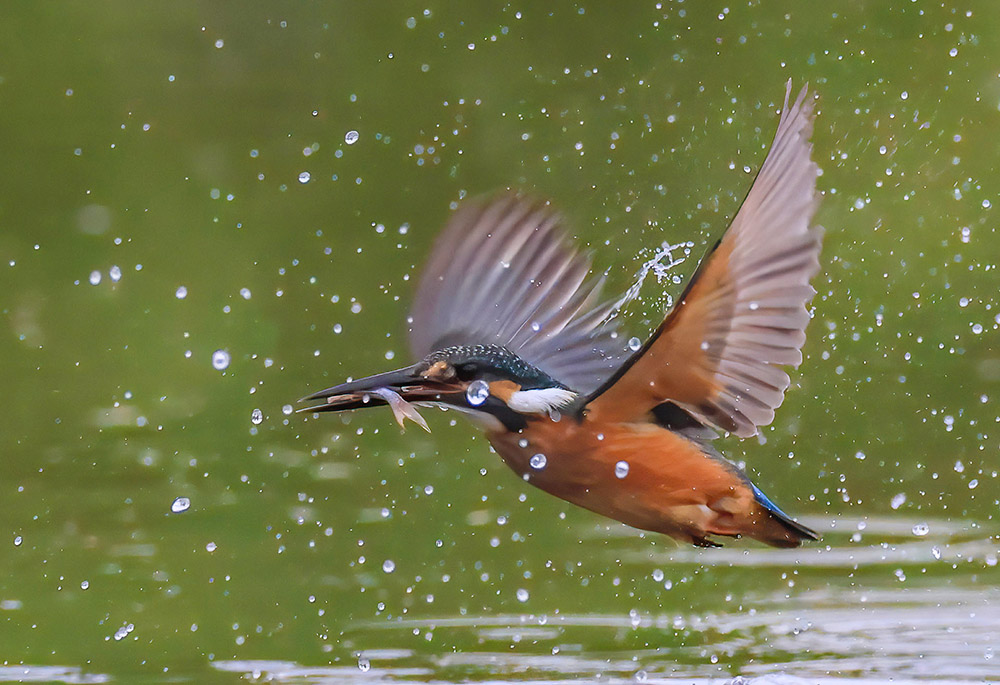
504,389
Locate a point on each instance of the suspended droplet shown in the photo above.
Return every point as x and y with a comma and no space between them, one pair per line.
388,565
522,595
220,360
351,137
181,293
256,417
180,505
634,344
538,462
621,469
477,392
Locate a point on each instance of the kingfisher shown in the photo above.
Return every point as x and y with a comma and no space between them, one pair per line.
511,330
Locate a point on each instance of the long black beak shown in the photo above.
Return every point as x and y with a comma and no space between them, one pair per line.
407,382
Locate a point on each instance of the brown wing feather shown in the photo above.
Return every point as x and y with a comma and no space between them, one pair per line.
718,352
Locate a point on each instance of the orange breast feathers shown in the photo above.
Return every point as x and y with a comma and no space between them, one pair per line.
640,474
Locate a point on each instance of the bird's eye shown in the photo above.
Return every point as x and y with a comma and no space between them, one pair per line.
467,371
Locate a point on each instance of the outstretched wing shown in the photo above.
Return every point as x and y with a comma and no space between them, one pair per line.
503,273
718,353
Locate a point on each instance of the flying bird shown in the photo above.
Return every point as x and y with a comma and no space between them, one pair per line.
511,330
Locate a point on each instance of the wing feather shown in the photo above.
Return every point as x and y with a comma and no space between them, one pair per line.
503,272
719,352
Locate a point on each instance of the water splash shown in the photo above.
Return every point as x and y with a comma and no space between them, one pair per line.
665,259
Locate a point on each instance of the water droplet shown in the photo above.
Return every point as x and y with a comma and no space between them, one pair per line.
477,392
621,469
220,360
538,462
115,273
522,595
364,665
304,177
658,575
287,409
388,565
17,540
921,529
179,505
181,293
351,137
95,277
84,584
211,547
936,552
256,417
634,344
897,501
245,293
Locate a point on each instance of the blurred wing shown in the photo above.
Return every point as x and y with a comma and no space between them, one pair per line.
504,273
718,353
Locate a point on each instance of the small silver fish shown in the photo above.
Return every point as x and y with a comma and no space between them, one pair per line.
401,409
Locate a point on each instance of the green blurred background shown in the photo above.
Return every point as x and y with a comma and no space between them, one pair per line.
177,179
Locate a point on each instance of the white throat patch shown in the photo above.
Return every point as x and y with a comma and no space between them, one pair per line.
540,401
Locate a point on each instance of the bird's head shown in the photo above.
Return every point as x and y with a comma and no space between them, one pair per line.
489,383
